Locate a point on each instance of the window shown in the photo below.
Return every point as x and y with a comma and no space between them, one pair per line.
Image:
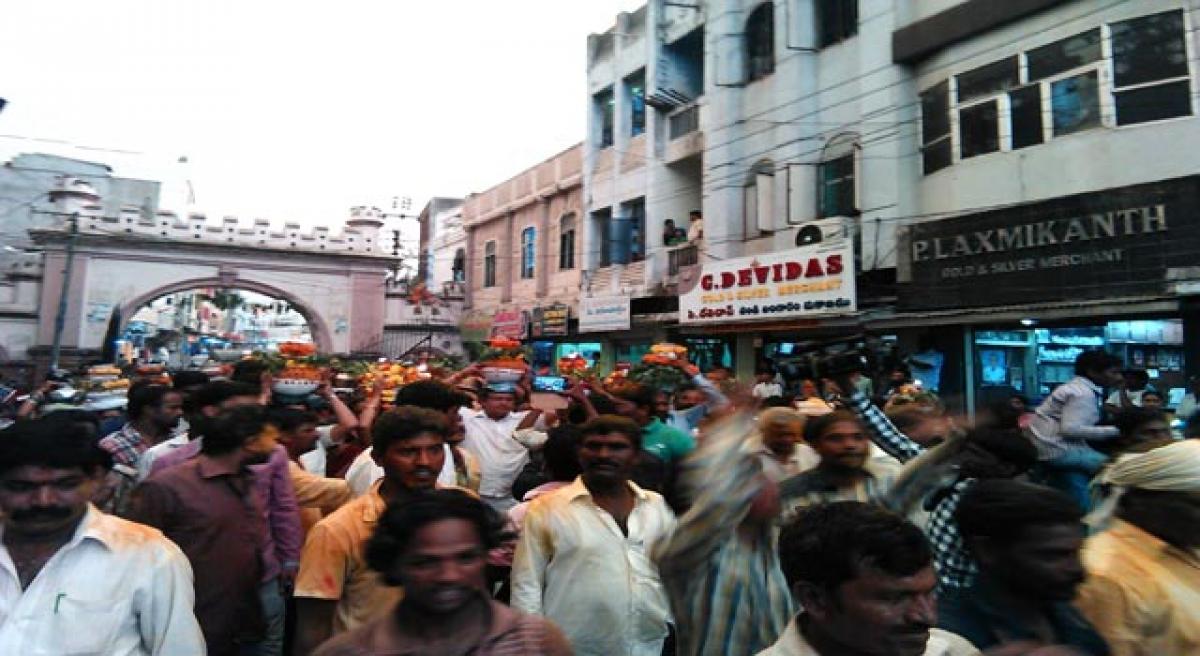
836,193
837,20
630,238
979,129
760,42
489,264
528,251
604,223
1062,56
758,201
1061,88
636,84
566,243
458,271
1075,103
935,127
1150,69
605,103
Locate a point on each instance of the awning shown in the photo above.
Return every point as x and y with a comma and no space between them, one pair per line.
1057,311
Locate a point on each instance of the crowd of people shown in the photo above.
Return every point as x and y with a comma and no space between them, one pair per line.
708,520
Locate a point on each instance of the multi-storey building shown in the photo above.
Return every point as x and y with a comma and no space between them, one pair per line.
769,117
523,258
1055,203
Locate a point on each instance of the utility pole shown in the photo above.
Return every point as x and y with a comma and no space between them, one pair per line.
60,319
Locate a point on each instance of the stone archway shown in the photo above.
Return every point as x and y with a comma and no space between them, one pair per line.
317,324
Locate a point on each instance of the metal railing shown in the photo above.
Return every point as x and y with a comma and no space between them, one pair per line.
682,256
684,121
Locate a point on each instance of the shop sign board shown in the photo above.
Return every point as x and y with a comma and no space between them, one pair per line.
475,326
604,313
1116,242
806,282
550,321
513,324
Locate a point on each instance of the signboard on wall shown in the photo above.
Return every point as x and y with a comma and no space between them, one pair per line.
1116,242
605,313
550,321
805,282
513,324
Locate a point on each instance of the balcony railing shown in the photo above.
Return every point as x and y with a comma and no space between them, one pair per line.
685,121
680,257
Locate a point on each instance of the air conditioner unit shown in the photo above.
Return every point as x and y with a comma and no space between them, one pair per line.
816,232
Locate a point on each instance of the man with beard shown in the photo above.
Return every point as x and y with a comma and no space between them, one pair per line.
583,558
74,580
864,580
208,507
154,412
845,473
335,590
1026,540
433,547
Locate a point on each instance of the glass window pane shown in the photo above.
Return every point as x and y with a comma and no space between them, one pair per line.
1064,55
1149,48
935,112
988,79
1075,103
979,128
935,157
1154,103
1026,107
837,187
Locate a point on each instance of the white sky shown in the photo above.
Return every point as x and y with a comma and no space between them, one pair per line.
298,110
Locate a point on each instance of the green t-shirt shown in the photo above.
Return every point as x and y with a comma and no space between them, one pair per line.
669,444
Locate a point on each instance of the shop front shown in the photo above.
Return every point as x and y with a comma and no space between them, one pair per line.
552,339
772,307
1033,286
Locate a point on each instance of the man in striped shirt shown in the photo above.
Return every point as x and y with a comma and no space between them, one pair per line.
720,567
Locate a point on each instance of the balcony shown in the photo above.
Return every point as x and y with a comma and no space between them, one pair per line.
683,121
681,257
683,131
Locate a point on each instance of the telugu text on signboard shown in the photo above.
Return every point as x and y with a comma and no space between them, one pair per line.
811,281
602,314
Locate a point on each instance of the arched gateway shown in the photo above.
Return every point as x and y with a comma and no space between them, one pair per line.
120,263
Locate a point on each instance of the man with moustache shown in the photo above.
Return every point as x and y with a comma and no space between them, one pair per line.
74,580
208,507
845,472
433,547
583,558
336,591
1026,539
863,578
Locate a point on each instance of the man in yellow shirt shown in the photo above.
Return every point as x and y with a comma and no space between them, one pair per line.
335,590
1143,587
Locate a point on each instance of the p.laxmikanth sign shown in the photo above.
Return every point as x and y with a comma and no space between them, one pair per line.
810,281
1111,243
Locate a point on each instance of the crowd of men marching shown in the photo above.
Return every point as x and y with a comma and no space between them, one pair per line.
223,519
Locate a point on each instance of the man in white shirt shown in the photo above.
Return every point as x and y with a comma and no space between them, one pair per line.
765,386
865,581
583,559
74,580
1069,418
489,437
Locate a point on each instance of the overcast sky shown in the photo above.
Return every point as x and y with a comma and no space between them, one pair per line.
298,110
